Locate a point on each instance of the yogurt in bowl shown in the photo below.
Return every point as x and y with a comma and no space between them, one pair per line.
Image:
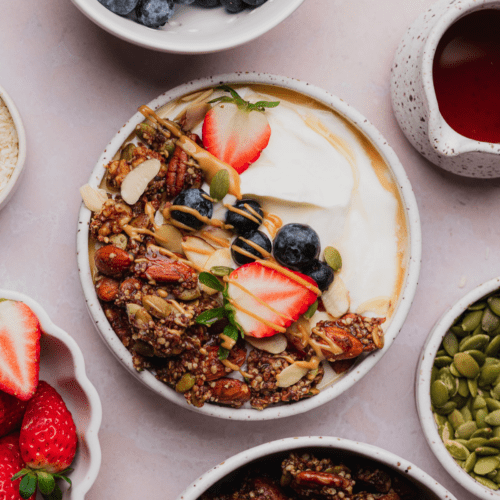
324,167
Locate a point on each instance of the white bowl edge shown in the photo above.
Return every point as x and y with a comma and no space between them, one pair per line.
77,491
414,249
422,390
200,485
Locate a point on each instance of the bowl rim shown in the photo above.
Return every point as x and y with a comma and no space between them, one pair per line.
92,9
91,436
422,391
22,147
414,246
209,478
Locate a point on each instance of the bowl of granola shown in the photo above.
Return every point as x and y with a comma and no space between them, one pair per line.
12,147
47,360
187,26
268,265
318,467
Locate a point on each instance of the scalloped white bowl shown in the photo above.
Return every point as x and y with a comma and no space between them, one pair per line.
341,448
7,192
63,367
408,289
193,30
423,396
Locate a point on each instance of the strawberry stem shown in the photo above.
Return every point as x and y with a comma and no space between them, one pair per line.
240,102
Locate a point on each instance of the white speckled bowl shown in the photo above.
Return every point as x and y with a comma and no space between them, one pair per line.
414,100
422,390
7,192
63,367
405,299
341,448
193,30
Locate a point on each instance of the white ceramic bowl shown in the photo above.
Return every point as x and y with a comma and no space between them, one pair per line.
193,30
63,367
422,390
406,296
341,448
7,192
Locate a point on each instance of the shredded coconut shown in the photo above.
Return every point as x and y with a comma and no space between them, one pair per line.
8,145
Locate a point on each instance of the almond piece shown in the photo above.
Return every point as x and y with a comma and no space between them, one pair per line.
274,345
111,260
197,250
290,375
93,198
136,181
336,299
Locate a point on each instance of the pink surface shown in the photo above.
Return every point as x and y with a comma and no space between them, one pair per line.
75,85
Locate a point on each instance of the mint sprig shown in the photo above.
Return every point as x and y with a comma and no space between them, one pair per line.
208,318
240,102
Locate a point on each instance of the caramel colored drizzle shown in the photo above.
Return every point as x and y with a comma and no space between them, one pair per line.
235,368
272,223
255,218
291,275
253,315
219,241
191,211
227,342
256,247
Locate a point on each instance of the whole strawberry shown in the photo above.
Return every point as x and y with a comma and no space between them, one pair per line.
11,413
47,440
10,462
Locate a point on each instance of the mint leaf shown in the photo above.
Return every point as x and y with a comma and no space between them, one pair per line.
223,353
231,331
211,281
208,318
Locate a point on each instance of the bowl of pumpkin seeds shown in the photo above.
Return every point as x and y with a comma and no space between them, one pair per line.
458,390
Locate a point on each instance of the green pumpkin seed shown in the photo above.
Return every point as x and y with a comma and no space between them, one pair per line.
492,404
158,307
440,419
466,413
442,361
478,403
479,356
485,451
496,432
477,306
486,482
441,352
475,342
446,432
457,450
458,331
492,475
471,321
481,418
219,186
447,408
490,361
483,433
221,271
466,365
456,420
439,393
466,430
450,343
449,381
485,465
463,388
490,321
494,304
472,383
493,418
489,374
459,401
333,258
454,371
185,383
494,442
470,462
495,392
476,442
493,347
434,374
127,153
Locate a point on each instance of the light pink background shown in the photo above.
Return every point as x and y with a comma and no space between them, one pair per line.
75,85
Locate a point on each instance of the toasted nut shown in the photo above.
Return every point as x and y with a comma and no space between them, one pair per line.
144,349
345,345
138,316
290,375
230,391
127,153
186,383
93,199
158,307
136,182
119,241
107,289
191,294
111,260
212,368
313,479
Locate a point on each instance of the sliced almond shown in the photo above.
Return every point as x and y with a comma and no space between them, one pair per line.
197,250
275,344
215,236
93,198
378,306
329,377
195,113
336,299
169,237
290,375
220,258
159,219
136,182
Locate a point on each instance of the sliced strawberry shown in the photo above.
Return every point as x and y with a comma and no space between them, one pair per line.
264,298
236,131
19,349
11,413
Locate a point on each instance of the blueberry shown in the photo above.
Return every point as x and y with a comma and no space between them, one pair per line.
296,246
184,2
207,4
255,3
258,238
321,273
242,224
154,13
233,6
195,199
121,7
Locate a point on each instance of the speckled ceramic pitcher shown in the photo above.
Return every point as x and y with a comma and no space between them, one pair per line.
414,99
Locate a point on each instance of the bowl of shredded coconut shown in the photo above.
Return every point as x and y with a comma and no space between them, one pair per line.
12,147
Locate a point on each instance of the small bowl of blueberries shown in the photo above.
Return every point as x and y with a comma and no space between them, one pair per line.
187,26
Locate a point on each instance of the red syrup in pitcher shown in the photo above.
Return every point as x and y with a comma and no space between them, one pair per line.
467,76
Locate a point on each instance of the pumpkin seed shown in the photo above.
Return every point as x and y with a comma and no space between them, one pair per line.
486,482
466,365
459,401
471,321
476,442
489,374
157,306
439,393
447,408
470,462
185,383
221,271
127,153
434,372
441,352
495,392
219,186
493,418
450,343
440,419
138,316
496,432
459,331
454,371
466,414
479,356
477,306
492,404
449,381
490,321
333,258
485,451
493,347
456,420
466,430
485,465
494,304
489,361
478,403
494,442
442,361
457,450
483,433
446,432
481,418
472,383
476,342
144,349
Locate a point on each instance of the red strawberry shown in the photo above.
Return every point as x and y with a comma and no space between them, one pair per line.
11,413
10,463
286,298
236,131
48,438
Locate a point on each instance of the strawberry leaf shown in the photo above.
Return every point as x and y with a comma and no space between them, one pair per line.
240,102
55,495
19,474
27,486
211,281
261,105
209,317
46,482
